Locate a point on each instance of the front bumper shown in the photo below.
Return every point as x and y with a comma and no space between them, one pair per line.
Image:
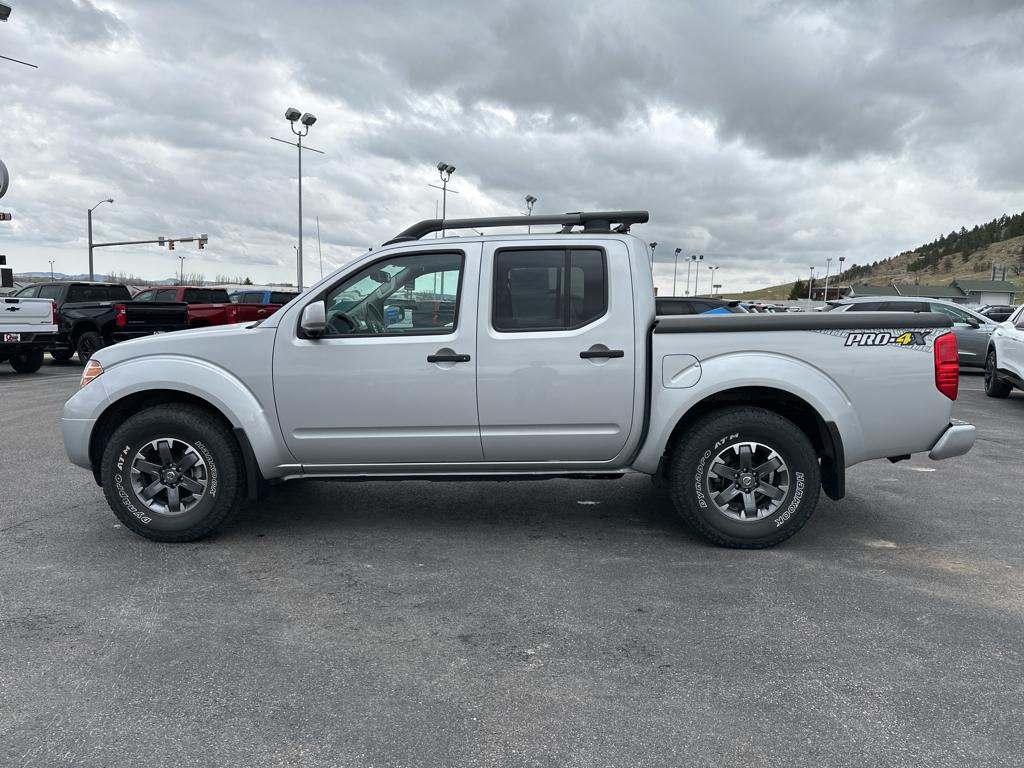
957,440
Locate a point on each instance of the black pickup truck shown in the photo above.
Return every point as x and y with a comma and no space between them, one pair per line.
92,315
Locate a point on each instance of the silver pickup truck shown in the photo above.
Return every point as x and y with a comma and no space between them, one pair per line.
513,356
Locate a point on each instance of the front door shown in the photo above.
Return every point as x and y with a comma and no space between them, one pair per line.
393,379
556,352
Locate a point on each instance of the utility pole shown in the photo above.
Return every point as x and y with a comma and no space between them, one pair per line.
307,119
675,267
92,276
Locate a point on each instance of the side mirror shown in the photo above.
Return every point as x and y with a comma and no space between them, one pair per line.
314,319
973,322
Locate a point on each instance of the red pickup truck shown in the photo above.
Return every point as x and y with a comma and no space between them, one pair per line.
209,306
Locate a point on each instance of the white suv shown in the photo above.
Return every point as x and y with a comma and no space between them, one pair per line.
1004,363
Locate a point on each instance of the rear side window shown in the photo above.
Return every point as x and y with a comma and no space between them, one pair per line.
49,292
548,289
866,306
281,298
167,294
905,306
252,298
118,293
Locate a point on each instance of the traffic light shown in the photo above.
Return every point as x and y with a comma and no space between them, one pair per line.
5,216
203,239
170,245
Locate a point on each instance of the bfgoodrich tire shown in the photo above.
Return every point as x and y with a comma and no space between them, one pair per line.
744,477
27,362
173,473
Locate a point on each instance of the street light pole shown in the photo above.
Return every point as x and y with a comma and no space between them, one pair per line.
828,265
712,269
653,246
181,274
810,285
694,258
307,119
530,200
101,202
675,267
51,269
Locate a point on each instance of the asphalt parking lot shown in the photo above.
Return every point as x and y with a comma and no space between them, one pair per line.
526,624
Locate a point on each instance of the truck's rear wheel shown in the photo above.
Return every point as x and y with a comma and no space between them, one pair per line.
173,473
744,477
27,362
89,343
61,355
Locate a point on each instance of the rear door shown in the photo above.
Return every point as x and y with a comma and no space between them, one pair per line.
972,334
556,352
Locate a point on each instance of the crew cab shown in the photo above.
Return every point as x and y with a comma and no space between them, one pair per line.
27,328
92,315
208,306
551,363
1004,360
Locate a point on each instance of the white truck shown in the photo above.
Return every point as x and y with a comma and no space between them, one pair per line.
27,328
524,356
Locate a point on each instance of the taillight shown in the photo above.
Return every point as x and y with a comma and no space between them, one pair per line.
947,365
120,315
232,314
53,312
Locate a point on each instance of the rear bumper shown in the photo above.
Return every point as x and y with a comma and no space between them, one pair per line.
957,440
28,342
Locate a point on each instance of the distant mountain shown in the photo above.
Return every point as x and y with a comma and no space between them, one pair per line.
991,250
36,277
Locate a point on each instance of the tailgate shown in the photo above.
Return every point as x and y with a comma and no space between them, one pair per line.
154,315
25,312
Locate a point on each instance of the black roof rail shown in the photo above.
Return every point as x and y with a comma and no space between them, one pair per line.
591,221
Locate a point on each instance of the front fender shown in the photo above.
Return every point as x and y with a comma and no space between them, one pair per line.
199,378
730,371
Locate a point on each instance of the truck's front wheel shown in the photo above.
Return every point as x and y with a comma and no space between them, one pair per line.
744,477
173,473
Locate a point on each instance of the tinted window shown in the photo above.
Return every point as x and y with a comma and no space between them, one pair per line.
167,294
399,295
548,289
958,315
88,293
905,306
865,306
281,298
118,293
50,291
205,295
252,298
144,296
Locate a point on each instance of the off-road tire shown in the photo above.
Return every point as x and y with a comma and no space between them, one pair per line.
218,448
88,344
27,362
690,483
994,386
61,355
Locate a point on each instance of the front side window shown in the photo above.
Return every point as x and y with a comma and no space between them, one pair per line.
865,306
144,296
548,289
28,293
281,298
401,295
167,294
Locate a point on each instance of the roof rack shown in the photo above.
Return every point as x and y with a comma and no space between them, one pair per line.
591,221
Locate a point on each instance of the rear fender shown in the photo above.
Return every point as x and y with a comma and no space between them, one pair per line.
737,371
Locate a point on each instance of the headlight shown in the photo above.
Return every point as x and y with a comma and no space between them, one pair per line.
92,370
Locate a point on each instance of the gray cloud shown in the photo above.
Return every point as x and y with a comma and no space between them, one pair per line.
768,136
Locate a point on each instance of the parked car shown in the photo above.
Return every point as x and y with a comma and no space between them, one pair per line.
1000,313
685,305
553,364
1004,363
27,328
209,306
972,329
262,296
93,315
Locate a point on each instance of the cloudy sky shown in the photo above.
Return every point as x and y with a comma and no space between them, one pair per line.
766,135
